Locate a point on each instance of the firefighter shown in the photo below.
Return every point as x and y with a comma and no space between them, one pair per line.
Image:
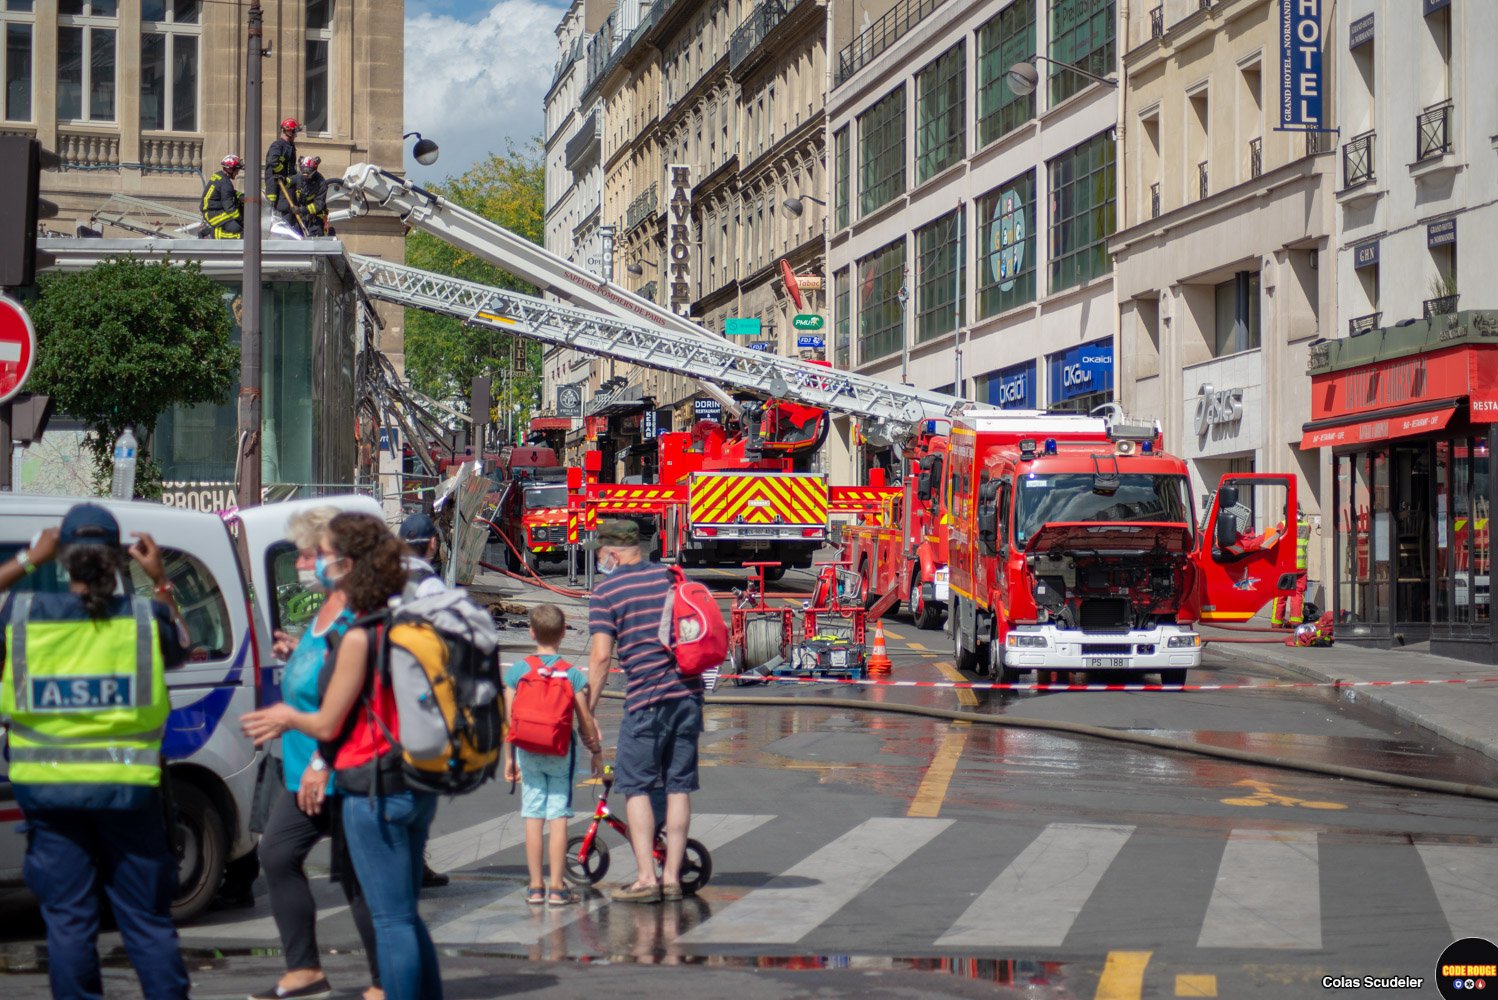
281,168
1289,611
223,207
309,196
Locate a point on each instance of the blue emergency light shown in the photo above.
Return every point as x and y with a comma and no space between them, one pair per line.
1146,447
1050,446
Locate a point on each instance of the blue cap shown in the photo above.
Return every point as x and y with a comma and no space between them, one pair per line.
89,524
418,528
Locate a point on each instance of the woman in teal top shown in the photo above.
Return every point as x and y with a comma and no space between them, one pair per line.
302,816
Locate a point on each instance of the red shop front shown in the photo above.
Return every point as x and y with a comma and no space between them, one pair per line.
1411,416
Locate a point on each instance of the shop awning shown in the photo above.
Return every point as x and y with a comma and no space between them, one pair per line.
1329,434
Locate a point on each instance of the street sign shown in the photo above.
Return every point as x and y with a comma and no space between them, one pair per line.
809,282
810,342
808,321
17,347
740,327
761,345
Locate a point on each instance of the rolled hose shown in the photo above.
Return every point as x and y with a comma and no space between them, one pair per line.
1118,736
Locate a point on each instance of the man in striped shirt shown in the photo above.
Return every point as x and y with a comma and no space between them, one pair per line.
662,710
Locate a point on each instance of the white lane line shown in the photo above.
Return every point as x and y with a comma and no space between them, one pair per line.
1036,899
803,897
1465,879
1267,893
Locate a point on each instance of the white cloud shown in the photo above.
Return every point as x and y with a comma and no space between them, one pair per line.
472,85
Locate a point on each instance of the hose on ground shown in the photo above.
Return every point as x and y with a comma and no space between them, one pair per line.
534,578
1119,736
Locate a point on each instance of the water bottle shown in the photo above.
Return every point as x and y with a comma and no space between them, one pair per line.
125,447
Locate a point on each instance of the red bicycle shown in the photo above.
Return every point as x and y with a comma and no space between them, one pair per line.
588,855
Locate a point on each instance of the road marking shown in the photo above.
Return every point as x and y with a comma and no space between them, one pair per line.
804,896
966,697
1123,975
891,634
1466,882
1196,986
1265,795
933,788
1037,898
1267,893
917,646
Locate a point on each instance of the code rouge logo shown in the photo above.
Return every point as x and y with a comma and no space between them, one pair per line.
1467,967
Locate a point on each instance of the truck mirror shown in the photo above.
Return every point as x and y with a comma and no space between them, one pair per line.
1227,528
1227,496
923,487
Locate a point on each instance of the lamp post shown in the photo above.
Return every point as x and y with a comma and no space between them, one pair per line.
247,455
794,204
1023,77
425,150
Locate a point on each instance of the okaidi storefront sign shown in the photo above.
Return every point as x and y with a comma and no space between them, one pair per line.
1082,370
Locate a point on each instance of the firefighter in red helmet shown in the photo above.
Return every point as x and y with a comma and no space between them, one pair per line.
223,206
309,196
281,168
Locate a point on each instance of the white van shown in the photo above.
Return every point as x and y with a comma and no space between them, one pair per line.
230,668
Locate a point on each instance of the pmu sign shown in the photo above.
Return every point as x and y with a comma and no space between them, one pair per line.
1300,64
17,347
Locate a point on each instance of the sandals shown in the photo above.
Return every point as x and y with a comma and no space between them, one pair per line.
535,895
637,894
562,897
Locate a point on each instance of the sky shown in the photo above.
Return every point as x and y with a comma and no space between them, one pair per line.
476,73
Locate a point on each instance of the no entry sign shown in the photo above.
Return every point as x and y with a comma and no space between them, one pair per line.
17,347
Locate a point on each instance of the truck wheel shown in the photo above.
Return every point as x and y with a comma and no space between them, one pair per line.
1177,676
996,668
965,661
774,573
200,831
532,562
922,614
512,561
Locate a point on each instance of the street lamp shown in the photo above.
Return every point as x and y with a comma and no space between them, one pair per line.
425,150
794,205
635,268
1023,78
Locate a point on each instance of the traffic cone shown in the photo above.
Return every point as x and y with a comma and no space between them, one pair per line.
879,661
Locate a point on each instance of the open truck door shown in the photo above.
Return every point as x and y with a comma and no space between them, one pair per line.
1246,555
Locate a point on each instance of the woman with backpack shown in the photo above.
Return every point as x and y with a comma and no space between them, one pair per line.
385,823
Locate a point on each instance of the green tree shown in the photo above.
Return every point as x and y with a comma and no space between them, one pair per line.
121,343
442,355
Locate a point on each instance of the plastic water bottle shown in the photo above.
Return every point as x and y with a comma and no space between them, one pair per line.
125,448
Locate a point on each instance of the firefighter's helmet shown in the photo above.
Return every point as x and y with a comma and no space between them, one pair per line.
232,162
291,125
311,163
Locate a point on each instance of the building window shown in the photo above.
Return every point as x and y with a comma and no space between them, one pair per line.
318,79
941,266
1238,314
86,65
16,58
880,326
1002,42
1081,34
881,152
842,326
941,113
1006,233
169,65
1082,212
844,167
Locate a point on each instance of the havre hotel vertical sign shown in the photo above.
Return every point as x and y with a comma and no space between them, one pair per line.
679,237
1301,87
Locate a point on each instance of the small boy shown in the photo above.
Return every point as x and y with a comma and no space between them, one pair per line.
546,780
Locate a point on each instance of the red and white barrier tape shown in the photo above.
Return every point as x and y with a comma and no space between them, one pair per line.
996,686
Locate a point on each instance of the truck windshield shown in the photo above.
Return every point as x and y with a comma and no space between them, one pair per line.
545,497
1069,496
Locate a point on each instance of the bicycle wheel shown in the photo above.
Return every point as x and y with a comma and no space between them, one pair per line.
589,871
696,868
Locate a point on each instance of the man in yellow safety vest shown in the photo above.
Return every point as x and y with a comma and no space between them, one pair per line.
1289,611
85,700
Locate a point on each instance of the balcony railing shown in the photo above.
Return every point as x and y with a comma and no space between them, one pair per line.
756,27
1357,161
892,25
641,208
1155,200
1362,324
1201,179
588,133
1255,157
1433,131
1320,142
1441,305
1157,21
1204,4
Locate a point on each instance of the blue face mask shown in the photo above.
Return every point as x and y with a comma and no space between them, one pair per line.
321,571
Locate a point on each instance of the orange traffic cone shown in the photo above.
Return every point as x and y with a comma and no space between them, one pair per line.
879,661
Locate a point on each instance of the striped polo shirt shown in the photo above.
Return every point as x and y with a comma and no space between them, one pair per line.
627,608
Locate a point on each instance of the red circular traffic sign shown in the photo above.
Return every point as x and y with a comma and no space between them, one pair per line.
17,347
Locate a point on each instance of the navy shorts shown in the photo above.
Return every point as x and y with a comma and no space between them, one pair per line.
658,747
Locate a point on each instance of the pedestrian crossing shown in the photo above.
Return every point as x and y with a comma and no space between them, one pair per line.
968,887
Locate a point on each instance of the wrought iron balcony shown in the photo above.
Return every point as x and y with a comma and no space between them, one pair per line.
1155,200
1318,142
1433,131
1362,324
892,25
1201,179
756,27
1255,156
1157,21
1357,161
642,208
1204,4
1442,305
588,133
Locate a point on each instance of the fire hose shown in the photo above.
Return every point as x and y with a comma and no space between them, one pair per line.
534,578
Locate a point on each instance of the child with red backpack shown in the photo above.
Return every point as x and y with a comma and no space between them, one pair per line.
543,694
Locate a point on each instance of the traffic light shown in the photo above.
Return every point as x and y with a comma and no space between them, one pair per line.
21,161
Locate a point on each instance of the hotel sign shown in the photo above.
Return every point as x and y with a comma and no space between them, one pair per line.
1300,64
679,237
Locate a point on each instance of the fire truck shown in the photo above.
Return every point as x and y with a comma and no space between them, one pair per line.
1074,547
529,505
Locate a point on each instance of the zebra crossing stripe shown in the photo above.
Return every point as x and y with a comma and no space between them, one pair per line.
1465,879
1037,898
799,900
1267,893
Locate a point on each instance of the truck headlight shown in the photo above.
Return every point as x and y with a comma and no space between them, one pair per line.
540,534
1183,641
1021,640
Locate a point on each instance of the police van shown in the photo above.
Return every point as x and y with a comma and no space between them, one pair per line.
229,669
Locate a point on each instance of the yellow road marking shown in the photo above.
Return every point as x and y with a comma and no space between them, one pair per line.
1265,795
918,647
933,789
1196,986
891,634
966,697
1123,975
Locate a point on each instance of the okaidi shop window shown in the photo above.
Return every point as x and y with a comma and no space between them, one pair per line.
1082,377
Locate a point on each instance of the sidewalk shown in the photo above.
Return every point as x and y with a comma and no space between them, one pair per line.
1466,714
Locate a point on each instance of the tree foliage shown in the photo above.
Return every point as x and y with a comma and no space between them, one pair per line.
121,343
443,356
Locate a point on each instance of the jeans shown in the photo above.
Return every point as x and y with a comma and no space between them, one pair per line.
387,837
69,853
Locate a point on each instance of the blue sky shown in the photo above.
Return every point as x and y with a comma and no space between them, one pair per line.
476,71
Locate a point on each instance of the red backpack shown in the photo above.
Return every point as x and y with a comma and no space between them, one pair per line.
692,627
541,711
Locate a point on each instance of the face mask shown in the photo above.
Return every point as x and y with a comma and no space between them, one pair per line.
307,579
607,566
321,571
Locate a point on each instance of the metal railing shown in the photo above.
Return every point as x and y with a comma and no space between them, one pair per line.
1201,179
1433,131
1362,324
1441,305
589,132
879,36
1204,4
1157,21
1318,142
1255,156
756,28
641,208
1155,200
1357,161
